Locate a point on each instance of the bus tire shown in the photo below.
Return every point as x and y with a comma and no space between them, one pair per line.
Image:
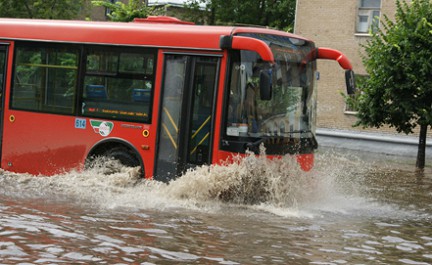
124,155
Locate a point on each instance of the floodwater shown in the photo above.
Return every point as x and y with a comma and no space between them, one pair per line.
350,209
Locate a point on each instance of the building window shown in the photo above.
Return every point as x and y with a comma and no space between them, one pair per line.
351,101
108,11
368,16
351,104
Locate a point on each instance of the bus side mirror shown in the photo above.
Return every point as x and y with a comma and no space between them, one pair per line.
350,82
265,86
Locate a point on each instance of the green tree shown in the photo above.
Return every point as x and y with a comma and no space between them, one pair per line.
398,60
50,9
127,12
273,13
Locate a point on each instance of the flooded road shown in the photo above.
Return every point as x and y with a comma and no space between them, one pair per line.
351,209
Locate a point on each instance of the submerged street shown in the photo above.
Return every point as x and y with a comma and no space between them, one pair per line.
350,209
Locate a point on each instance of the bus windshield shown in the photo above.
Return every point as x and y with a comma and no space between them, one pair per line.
290,112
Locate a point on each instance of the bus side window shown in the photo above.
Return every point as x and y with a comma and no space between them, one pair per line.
95,92
118,83
45,78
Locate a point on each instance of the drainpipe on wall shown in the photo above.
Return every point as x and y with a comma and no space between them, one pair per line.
295,16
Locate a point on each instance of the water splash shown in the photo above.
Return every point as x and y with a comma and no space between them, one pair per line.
249,180
252,180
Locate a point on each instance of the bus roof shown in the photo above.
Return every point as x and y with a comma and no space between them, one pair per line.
121,33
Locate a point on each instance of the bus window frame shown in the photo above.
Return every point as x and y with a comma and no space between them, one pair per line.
83,50
145,77
48,45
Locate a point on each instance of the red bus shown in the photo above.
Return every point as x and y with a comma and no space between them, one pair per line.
158,93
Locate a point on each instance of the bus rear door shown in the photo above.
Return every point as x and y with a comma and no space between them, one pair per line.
187,113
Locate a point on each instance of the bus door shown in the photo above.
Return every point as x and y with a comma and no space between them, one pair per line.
187,113
3,57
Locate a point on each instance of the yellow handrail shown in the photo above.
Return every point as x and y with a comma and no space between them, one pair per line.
202,126
171,119
203,139
169,135
49,66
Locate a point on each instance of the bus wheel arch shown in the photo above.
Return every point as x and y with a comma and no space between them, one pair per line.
116,149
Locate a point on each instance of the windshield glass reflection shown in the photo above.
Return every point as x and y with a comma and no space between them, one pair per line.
290,111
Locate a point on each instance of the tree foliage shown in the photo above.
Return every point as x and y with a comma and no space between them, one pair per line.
50,9
398,60
127,12
274,13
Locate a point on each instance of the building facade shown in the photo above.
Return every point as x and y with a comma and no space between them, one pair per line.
342,25
345,25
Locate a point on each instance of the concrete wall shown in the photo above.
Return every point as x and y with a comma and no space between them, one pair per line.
395,145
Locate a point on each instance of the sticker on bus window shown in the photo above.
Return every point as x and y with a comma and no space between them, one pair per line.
80,123
103,128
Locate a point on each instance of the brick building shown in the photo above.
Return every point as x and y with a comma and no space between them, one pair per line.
343,25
